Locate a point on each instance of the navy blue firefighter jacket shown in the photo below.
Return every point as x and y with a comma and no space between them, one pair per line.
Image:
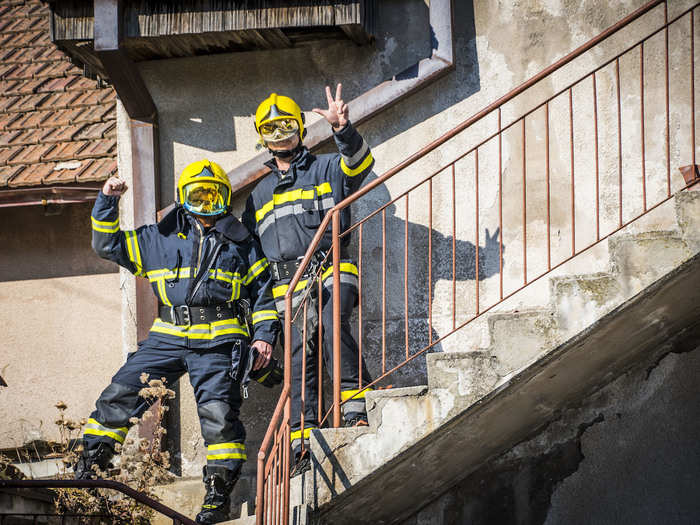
170,254
285,209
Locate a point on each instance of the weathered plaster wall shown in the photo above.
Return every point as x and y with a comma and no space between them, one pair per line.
205,106
627,455
61,338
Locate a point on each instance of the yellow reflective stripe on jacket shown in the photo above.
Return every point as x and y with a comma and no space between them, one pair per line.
351,172
255,270
344,268
226,451
132,245
95,428
105,226
290,196
200,331
163,293
264,315
347,394
279,291
297,433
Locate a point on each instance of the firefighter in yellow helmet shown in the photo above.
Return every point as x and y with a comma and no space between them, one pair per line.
284,210
201,262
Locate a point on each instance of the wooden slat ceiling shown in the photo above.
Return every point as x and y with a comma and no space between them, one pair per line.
169,29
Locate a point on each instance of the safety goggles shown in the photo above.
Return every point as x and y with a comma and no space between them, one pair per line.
278,130
205,198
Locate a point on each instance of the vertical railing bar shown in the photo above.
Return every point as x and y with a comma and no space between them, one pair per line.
303,369
573,190
619,137
500,204
476,243
597,159
454,251
692,80
641,131
668,112
285,472
524,204
547,169
430,260
383,290
319,347
277,485
405,279
336,318
359,307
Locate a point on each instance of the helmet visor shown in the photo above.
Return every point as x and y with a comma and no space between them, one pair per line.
278,130
205,198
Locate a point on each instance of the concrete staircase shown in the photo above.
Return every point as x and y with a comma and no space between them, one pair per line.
478,404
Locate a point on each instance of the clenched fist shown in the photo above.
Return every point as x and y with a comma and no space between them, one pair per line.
114,186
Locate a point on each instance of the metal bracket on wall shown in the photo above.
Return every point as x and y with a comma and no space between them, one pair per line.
379,98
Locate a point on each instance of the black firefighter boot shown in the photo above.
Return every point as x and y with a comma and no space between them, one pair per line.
219,483
101,456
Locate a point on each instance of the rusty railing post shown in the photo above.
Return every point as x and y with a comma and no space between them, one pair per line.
336,318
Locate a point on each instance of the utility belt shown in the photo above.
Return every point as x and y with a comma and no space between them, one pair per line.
285,270
183,315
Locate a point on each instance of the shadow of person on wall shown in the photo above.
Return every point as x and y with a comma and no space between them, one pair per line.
427,296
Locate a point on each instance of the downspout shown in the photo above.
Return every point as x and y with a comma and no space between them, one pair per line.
379,98
143,127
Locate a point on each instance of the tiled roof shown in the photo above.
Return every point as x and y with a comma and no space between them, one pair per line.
56,126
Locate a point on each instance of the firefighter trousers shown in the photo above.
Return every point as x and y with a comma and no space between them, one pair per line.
350,380
216,391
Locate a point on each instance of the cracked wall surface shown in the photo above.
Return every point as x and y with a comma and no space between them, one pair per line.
627,455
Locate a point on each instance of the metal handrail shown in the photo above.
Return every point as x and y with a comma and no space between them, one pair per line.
178,519
279,509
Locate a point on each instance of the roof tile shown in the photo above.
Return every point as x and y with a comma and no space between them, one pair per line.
8,153
8,136
95,170
48,111
32,175
28,137
61,134
8,172
66,151
31,154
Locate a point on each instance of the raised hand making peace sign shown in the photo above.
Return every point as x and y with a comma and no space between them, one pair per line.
337,112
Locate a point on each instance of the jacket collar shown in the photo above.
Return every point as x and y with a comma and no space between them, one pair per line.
302,160
178,221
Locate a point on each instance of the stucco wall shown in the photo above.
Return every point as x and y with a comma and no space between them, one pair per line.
205,106
627,455
61,336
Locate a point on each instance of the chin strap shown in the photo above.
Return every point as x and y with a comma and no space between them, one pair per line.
286,153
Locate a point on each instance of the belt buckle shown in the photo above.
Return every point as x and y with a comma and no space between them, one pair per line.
274,271
185,315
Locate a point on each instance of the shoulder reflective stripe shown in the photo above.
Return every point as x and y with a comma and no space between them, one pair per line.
264,315
255,270
297,433
357,157
290,196
351,172
279,291
105,226
132,246
344,268
347,394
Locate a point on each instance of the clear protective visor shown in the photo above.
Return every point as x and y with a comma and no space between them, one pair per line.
278,130
205,198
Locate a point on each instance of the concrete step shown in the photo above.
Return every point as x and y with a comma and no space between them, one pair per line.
482,402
